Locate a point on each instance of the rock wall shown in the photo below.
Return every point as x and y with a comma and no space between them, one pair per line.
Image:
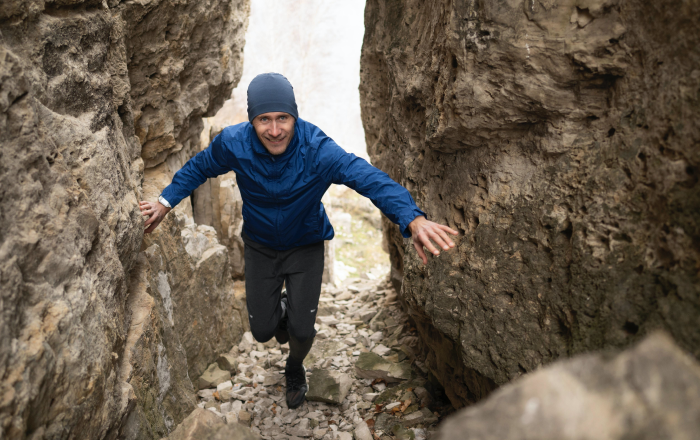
560,138
99,103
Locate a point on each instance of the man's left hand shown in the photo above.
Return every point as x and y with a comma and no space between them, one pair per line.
423,230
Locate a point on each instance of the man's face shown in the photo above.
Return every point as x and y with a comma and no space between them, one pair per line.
275,130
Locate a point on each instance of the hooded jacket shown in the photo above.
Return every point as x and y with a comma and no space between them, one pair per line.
281,194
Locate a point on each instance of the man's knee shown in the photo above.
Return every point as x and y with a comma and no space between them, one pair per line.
262,335
302,335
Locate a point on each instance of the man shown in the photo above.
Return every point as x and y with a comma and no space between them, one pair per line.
283,167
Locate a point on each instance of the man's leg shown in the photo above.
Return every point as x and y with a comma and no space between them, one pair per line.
303,269
263,285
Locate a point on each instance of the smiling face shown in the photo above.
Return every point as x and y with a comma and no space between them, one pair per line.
275,130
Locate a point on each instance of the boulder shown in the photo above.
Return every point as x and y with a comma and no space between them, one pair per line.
650,391
200,424
328,386
373,366
527,127
205,425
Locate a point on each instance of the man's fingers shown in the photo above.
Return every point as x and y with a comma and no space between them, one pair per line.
425,240
445,238
421,254
439,239
150,228
448,229
151,220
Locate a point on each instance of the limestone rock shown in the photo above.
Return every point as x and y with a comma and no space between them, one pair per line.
649,391
560,140
94,96
232,431
362,431
200,424
205,425
227,362
373,366
328,386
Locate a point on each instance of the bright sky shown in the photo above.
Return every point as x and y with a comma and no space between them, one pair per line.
316,44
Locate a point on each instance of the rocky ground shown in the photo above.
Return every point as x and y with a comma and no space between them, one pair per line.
364,377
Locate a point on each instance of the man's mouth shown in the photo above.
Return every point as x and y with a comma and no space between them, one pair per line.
276,141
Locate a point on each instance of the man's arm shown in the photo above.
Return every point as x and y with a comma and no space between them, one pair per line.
210,162
391,198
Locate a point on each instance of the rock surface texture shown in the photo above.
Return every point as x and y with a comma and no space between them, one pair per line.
560,139
647,392
101,331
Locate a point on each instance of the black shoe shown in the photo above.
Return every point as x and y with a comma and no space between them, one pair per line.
281,333
296,386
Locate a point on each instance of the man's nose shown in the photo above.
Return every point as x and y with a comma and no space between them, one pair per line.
275,130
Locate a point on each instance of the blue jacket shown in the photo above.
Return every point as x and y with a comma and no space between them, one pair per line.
282,194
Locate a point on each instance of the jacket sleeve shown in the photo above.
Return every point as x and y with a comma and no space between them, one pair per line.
392,199
211,162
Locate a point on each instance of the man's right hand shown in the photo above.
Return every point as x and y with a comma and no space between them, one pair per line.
156,211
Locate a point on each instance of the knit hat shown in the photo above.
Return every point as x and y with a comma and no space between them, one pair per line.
271,92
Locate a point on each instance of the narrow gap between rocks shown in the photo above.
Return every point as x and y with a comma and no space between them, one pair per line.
365,377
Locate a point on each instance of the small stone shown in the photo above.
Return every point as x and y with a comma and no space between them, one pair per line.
244,418
207,394
224,386
373,366
212,377
255,354
344,296
392,405
363,405
362,431
227,362
408,395
231,417
272,379
424,416
381,386
376,336
318,433
212,404
328,386
402,433
327,320
381,350
367,316
225,407
339,435
423,395
299,432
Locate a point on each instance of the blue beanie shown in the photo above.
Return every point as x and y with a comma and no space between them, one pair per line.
271,92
